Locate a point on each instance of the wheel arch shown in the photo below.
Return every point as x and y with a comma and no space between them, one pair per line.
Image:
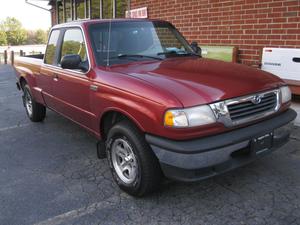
113,115
22,82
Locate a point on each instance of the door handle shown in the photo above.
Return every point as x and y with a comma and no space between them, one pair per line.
55,77
93,87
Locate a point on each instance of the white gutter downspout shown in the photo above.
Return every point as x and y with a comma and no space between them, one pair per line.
40,7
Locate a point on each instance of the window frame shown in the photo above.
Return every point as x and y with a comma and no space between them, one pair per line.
59,48
54,62
59,57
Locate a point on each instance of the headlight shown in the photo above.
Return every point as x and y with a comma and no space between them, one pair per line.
189,117
286,94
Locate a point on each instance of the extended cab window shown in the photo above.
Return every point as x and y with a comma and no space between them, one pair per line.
51,47
73,43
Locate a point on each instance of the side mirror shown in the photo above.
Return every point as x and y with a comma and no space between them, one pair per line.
196,48
72,62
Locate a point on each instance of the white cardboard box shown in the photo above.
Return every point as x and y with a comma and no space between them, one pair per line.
283,62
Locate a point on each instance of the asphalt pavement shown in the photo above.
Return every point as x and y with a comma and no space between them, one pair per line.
50,175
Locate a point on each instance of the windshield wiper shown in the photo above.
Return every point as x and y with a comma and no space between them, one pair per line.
178,53
122,56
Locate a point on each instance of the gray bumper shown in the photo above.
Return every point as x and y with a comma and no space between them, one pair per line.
201,158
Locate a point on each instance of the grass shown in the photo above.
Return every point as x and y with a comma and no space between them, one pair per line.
223,53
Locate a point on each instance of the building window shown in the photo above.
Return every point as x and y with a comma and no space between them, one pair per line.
80,9
121,6
87,9
68,10
60,12
107,9
95,9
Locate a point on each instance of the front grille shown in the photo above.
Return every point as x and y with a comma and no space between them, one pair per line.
243,110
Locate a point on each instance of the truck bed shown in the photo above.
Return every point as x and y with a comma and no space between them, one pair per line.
29,64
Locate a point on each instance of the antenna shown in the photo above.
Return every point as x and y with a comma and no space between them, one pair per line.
109,31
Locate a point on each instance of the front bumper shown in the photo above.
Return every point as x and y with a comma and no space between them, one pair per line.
205,157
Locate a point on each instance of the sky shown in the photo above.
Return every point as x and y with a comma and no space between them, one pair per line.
32,18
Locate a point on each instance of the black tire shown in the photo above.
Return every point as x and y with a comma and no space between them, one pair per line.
149,174
38,111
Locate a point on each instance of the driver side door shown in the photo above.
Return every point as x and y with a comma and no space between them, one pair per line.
72,87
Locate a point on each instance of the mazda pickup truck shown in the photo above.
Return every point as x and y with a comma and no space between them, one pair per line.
156,106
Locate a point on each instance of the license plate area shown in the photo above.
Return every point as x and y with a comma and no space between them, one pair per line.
262,143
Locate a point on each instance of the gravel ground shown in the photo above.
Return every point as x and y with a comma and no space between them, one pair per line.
49,174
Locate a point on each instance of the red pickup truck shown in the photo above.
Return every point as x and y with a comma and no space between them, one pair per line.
157,107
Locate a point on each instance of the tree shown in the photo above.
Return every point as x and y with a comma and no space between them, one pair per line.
2,38
36,37
15,34
30,37
40,36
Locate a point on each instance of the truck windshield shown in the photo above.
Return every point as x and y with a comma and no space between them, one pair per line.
121,42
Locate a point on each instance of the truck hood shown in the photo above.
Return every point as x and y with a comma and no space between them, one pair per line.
196,81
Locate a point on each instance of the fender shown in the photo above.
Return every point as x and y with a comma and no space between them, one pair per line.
30,77
138,112
121,111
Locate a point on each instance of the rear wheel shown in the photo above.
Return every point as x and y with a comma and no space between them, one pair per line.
134,166
35,111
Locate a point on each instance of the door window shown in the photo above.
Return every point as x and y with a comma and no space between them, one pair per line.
73,43
51,47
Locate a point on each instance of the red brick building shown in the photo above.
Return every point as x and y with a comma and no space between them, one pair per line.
249,25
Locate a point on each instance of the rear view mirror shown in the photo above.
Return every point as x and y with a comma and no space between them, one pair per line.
196,48
72,62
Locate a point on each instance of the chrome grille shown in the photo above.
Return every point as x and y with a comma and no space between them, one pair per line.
249,108
245,109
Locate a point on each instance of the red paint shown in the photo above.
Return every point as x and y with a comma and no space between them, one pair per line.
142,91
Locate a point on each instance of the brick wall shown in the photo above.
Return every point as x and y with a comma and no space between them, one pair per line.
248,24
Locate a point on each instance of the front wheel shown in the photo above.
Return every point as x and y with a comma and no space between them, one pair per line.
35,111
134,167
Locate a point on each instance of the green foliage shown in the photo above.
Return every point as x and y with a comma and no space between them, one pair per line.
15,34
40,36
2,38
50,54
95,7
108,6
74,47
30,37
121,6
80,8
12,33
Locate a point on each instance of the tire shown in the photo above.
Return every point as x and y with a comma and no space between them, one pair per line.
34,110
145,175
